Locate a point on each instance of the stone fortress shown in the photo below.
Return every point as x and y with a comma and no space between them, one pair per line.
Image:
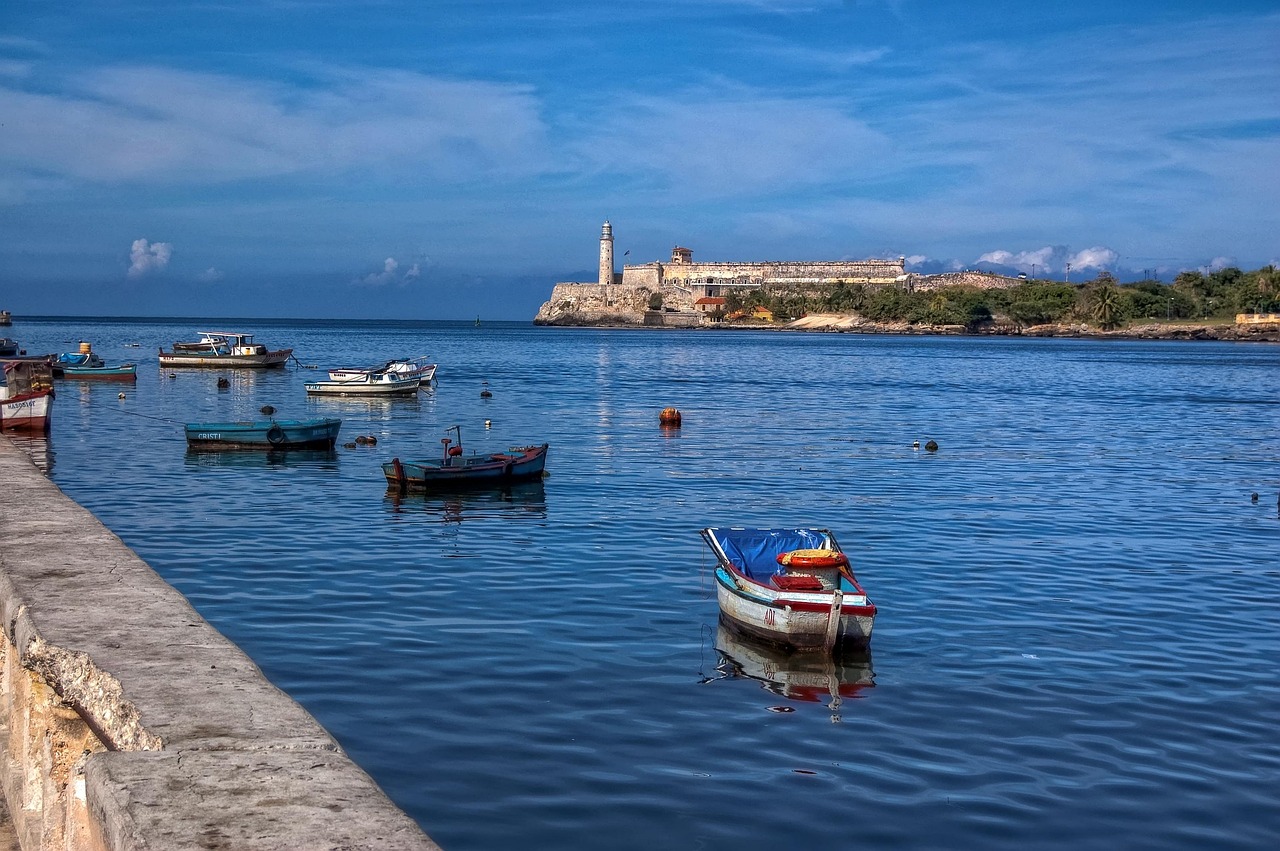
694,293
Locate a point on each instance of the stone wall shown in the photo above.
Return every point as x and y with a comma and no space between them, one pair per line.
128,722
977,280
763,274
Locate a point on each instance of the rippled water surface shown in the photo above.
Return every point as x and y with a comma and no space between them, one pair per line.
1078,637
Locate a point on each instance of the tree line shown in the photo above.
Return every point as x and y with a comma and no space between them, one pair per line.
1103,301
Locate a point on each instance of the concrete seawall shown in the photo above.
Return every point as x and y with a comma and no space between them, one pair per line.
128,722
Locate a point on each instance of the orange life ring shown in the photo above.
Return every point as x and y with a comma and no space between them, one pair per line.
808,559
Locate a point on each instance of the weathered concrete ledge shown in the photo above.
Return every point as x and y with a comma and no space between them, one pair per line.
128,722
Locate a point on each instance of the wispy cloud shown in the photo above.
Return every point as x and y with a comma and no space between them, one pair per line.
732,142
160,124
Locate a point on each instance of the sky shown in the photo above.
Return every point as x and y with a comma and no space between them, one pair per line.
412,159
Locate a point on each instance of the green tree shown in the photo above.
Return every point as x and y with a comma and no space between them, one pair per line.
1107,307
655,301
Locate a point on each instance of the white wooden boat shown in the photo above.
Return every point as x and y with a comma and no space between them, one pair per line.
419,368
366,384
26,395
224,349
793,587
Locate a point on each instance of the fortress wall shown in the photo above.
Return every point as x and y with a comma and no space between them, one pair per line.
649,275
866,271
127,722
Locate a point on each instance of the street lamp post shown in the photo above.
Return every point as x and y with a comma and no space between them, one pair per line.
1168,314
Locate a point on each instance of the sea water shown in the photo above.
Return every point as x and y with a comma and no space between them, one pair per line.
1078,634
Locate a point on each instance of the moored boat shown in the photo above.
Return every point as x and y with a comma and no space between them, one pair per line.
224,349
6,318
455,469
793,587
120,372
420,368
26,395
269,435
365,384
86,364
8,347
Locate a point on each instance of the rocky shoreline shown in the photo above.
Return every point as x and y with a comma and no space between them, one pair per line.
853,324
1147,331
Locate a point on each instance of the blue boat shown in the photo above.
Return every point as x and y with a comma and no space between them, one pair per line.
86,364
269,435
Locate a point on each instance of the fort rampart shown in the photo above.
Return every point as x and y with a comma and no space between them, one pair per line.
128,722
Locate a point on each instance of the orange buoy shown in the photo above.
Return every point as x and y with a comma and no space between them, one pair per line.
669,417
809,559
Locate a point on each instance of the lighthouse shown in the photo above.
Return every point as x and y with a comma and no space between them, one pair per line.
606,255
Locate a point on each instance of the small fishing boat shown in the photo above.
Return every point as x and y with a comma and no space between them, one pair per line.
420,368
454,469
8,347
121,372
366,384
793,587
26,396
270,435
86,364
224,349
6,318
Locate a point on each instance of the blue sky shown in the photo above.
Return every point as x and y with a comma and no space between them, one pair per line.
430,160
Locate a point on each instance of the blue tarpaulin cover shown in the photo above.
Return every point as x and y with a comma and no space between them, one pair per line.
755,551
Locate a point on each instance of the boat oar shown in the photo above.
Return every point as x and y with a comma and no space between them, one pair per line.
833,620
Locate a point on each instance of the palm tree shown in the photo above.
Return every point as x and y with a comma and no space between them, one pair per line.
1106,307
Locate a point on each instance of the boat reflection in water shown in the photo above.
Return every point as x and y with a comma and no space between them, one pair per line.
811,676
518,499
37,446
324,459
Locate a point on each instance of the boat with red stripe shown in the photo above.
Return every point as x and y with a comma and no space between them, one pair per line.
793,587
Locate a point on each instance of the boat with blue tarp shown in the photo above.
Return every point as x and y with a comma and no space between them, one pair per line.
86,364
794,587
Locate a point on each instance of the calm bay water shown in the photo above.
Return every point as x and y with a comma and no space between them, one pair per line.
1078,635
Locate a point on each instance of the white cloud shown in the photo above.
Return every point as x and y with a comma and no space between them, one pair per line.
210,275
1039,260
146,257
1219,263
1094,258
390,274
